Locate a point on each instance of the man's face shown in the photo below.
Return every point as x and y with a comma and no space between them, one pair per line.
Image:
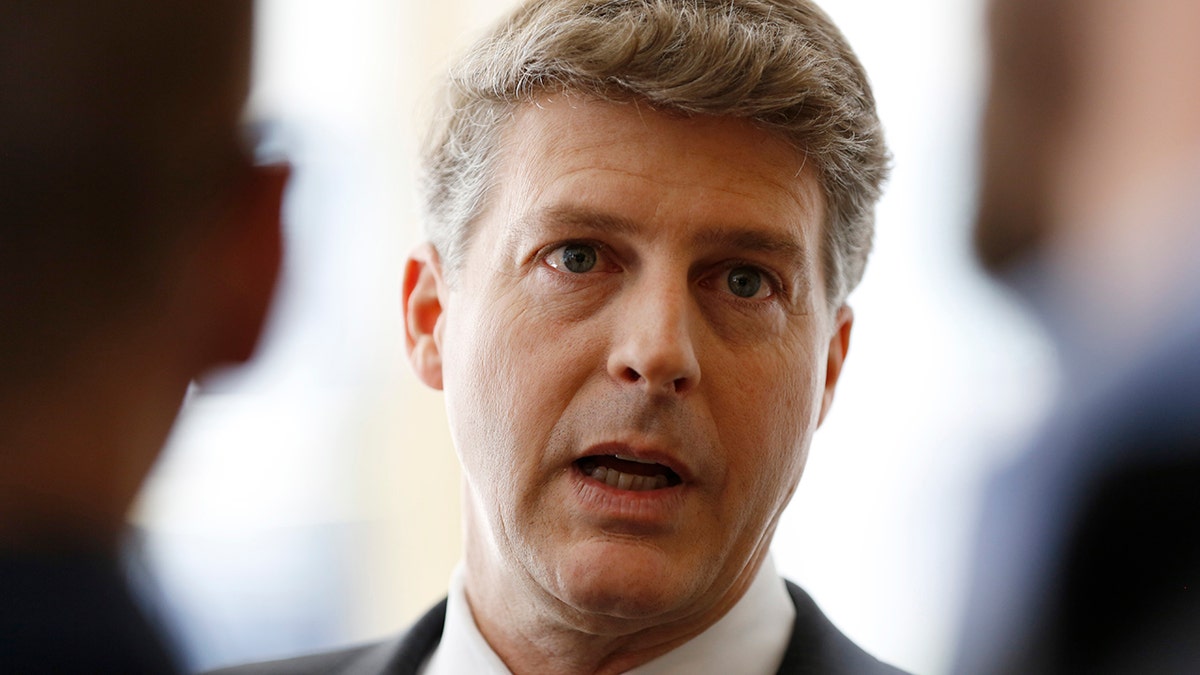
635,353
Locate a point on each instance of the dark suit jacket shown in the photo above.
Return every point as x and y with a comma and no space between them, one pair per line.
1115,588
73,614
1126,596
816,648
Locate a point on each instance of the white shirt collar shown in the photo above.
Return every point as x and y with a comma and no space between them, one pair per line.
751,638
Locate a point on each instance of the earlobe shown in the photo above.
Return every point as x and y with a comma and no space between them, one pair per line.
423,295
839,345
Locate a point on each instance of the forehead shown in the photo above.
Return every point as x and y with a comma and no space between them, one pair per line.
641,165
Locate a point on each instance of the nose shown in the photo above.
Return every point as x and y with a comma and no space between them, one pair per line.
653,346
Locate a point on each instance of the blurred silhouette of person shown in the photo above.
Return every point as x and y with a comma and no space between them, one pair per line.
139,248
1088,559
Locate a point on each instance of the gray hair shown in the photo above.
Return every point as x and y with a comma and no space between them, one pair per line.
780,63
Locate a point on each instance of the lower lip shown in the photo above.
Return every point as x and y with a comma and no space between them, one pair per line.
619,509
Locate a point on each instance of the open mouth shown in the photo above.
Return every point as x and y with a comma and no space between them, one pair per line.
628,473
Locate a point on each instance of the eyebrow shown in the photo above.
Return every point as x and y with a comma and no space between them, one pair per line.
738,238
571,216
752,239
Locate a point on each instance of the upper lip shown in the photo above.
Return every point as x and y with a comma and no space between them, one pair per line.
646,453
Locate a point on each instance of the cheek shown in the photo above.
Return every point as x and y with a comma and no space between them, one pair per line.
771,405
478,387
507,384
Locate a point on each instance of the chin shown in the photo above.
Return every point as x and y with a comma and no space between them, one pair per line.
626,580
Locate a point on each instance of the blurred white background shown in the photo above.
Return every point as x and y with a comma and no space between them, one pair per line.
311,499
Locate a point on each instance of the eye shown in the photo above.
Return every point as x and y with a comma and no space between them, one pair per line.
747,282
574,258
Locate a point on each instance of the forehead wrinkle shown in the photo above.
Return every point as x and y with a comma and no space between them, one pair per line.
795,186
798,193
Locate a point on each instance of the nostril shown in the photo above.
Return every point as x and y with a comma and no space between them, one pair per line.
680,385
632,375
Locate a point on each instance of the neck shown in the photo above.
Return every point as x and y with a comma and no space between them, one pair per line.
74,450
534,633
1108,284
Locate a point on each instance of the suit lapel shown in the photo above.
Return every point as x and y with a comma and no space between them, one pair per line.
817,647
405,655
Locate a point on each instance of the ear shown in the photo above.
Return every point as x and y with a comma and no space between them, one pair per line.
839,345
251,255
424,295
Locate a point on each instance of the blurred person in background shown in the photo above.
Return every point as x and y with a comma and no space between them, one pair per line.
139,249
1088,558
645,217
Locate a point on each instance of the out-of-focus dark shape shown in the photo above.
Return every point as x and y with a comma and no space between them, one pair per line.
1088,558
139,247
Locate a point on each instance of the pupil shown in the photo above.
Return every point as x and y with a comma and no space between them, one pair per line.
579,258
744,282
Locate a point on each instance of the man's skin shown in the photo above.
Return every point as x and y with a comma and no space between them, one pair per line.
640,285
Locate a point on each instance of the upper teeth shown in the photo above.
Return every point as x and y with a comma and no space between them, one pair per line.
634,459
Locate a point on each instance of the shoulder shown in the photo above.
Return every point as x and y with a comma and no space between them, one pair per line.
73,613
1091,540
339,661
1131,547
399,656
817,646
